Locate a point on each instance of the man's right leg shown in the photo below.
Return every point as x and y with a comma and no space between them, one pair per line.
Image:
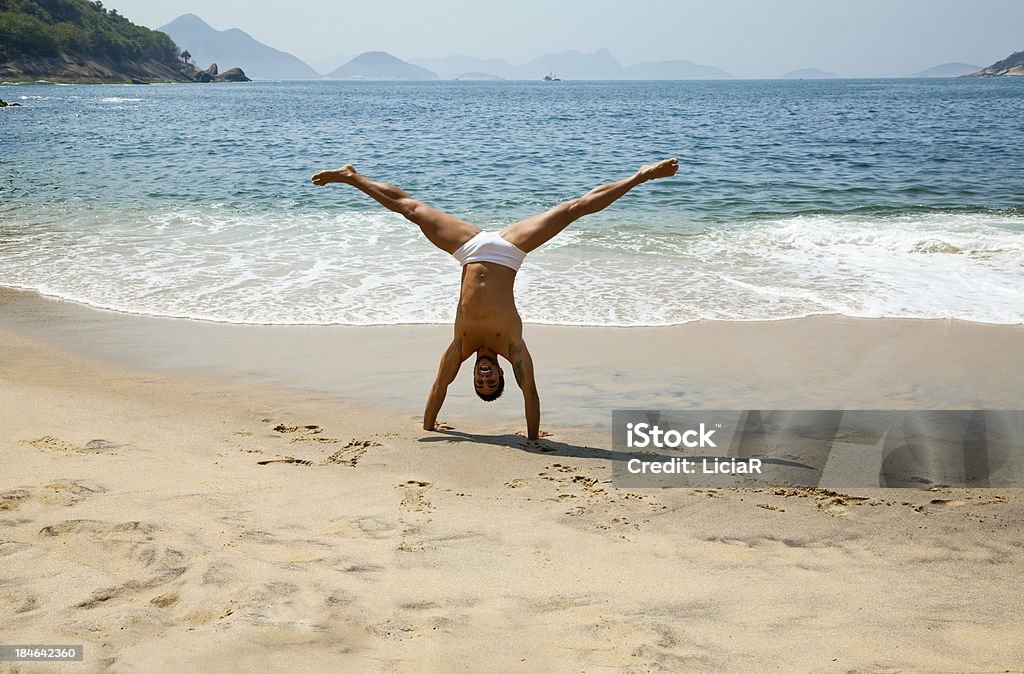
442,229
533,232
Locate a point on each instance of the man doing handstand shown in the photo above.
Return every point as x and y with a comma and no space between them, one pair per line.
486,321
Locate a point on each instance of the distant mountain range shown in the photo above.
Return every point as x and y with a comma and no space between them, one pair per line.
208,45
234,46
571,65
948,70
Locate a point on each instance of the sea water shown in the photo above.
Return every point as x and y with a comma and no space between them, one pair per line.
871,198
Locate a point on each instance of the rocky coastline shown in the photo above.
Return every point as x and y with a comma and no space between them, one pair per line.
66,69
1011,66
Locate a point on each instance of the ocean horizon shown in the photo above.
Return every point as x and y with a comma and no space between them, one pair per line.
863,198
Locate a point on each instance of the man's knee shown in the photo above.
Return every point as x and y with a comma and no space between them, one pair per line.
573,210
408,206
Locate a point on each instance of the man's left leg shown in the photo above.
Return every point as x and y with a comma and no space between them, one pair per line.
531,233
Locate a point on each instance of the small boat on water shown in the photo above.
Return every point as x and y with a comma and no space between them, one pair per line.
551,77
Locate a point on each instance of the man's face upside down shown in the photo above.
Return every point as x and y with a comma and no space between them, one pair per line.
488,380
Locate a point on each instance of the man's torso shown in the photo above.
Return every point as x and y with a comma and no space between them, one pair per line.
487,315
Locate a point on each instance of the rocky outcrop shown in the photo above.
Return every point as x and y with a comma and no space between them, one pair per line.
232,75
212,74
1012,65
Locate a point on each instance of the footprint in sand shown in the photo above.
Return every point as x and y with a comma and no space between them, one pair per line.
165,600
57,493
15,600
13,498
49,443
414,496
947,502
592,506
654,643
287,459
415,503
307,433
111,549
100,445
937,504
838,505
312,429
350,454
67,492
826,501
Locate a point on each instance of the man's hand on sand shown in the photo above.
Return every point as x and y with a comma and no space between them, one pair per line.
440,426
536,445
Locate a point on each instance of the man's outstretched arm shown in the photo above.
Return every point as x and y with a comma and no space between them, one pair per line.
522,365
451,361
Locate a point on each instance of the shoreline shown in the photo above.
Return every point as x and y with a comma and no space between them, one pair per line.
584,372
210,506
602,326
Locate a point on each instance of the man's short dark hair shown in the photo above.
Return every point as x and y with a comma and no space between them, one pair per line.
491,397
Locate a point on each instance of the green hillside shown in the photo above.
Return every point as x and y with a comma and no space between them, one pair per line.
80,40
35,28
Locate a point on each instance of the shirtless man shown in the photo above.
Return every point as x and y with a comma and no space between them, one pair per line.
486,322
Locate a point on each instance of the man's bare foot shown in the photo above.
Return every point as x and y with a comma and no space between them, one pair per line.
338,175
663,169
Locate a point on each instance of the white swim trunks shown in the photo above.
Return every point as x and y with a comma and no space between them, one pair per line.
490,247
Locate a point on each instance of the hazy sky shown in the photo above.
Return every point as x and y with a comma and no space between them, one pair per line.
747,38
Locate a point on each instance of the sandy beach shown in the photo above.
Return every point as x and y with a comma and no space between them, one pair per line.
178,495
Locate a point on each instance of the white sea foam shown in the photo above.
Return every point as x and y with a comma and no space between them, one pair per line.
256,266
118,99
